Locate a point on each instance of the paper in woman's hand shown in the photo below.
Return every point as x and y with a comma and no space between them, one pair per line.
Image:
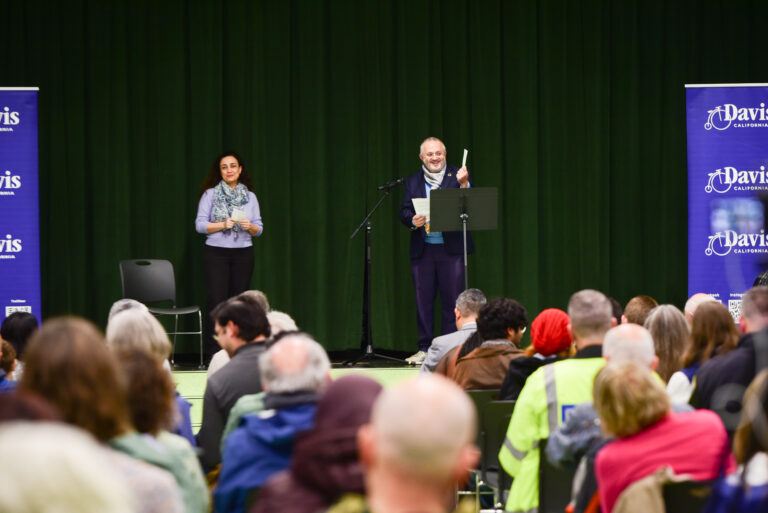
238,214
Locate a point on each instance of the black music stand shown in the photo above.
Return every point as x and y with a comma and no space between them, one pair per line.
453,210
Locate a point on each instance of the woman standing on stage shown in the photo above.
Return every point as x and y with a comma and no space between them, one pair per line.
229,214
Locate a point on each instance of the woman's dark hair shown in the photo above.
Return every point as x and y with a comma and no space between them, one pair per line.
16,329
214,174
150,390
713,332
495,317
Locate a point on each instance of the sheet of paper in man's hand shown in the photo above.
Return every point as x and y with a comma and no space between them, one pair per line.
238,214
421,206
464,160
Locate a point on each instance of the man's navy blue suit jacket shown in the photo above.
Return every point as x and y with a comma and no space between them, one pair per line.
415,187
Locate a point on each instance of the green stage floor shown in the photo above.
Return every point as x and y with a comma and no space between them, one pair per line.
191,384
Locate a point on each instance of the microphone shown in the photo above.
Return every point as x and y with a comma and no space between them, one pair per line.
393,183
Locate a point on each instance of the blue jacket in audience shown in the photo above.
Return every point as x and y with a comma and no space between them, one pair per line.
261,446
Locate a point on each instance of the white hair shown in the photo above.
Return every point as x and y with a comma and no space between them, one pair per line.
629,343
55,468
423,424
279,322
138,329
590,313
294,363
125,304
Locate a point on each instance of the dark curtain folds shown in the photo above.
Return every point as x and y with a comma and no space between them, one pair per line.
574,110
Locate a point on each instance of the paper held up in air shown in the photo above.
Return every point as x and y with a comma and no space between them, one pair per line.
464,160
421,206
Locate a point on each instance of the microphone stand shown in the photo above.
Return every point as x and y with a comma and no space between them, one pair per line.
366,340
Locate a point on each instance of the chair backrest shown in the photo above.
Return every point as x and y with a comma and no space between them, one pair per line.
148,281
496,417
481,398
687,496
555,484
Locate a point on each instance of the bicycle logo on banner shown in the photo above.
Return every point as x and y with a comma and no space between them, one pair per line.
717,182
717,119
717,245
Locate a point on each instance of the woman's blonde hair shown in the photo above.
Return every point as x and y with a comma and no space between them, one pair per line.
628,398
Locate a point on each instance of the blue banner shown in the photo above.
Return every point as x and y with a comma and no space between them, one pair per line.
19,204
727,129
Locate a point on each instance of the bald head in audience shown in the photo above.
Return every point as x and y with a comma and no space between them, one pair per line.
630,343
693,303
418,445
295,363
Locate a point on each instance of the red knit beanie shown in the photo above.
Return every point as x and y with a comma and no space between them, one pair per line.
549,332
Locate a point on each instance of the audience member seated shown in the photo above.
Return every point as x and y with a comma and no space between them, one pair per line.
68,364
483,360
7,366
468,305
671,336
325,465
637,309
634,408
550,342
221,357
693,303
134,327
292,373
747,490
721,381
151,407
713,333
241,329
51,467
17,328
417,448
580,437
550,392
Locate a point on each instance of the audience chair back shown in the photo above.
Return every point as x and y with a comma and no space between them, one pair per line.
152,281
496,417
481,398
555,484
687,496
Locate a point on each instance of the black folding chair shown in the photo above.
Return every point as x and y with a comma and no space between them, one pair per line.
496,417
152,281
555,484
687,496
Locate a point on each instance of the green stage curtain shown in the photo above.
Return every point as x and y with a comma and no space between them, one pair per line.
573,109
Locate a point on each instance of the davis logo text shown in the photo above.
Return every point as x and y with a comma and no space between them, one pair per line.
725,116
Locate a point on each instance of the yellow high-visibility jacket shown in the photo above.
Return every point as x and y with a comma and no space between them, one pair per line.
541,407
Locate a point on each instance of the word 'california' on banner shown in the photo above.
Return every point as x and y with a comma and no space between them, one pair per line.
727,127
19,216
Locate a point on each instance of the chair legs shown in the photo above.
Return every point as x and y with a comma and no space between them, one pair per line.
173,349
200,325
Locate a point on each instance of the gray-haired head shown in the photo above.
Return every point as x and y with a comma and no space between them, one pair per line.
423,425
295,363
255,296
754,308
279,322
629,343
590,313
430,139
135,328
125,304
470,302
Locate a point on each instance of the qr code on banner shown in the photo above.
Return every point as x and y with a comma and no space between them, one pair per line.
734,307
10,309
